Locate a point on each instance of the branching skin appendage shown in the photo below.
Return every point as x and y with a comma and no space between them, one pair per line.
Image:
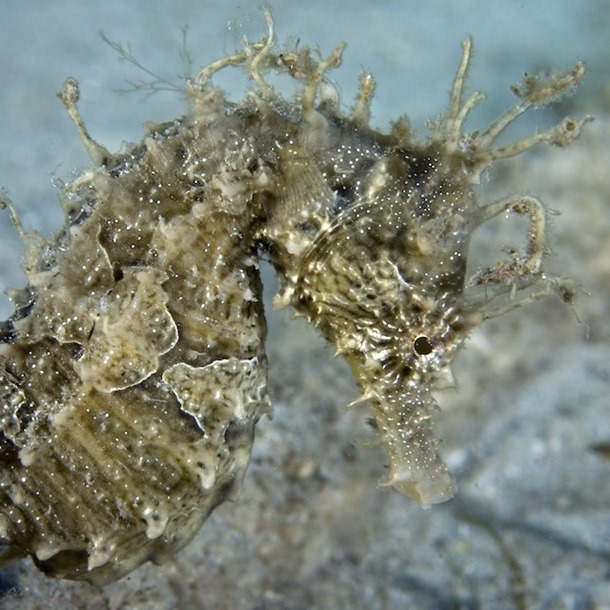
133,369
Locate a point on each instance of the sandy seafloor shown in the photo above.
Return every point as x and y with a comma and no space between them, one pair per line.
530,526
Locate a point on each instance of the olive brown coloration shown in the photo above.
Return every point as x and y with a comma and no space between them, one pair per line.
133,370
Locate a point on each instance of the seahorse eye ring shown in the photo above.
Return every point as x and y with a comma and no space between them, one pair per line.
422,346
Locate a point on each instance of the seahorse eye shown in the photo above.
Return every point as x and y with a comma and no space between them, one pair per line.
422,346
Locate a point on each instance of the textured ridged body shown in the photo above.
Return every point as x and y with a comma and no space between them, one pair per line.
133,371
134,374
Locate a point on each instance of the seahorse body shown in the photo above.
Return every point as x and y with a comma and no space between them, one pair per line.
134,370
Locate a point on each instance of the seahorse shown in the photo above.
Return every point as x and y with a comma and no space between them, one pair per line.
133,371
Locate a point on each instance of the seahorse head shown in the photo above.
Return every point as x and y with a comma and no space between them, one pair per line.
384,281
